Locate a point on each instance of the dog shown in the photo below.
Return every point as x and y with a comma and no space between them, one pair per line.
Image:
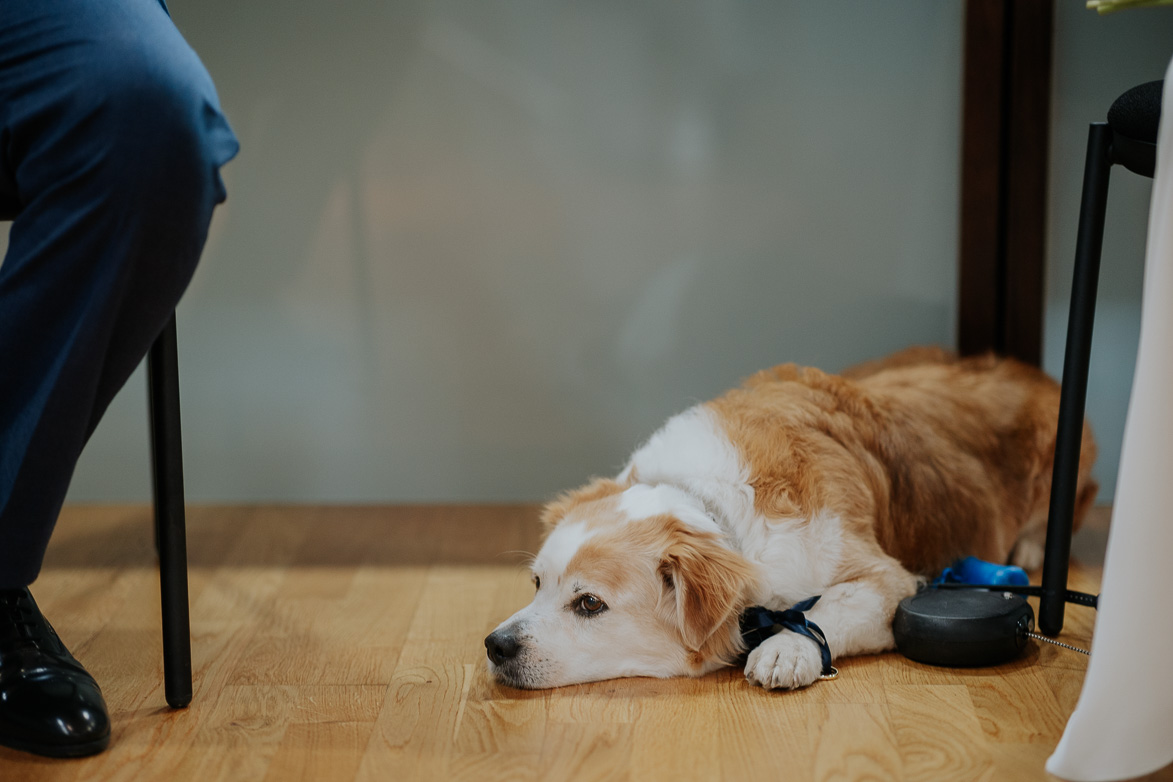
854,488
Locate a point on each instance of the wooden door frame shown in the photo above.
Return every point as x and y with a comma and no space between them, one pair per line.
1005,133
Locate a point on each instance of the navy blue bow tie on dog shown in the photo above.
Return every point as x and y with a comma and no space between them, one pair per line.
758,624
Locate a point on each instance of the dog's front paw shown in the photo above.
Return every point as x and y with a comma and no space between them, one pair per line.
784,661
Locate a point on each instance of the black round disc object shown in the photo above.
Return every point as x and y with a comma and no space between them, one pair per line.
962,628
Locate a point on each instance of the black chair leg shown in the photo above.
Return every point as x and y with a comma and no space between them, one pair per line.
1075,369
170,526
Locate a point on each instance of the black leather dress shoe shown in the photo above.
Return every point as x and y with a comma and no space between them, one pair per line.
49,704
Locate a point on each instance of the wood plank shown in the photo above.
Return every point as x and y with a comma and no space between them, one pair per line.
938,732
413,736
856,741
312,752
586,751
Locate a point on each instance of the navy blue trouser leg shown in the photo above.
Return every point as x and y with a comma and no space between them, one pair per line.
111,140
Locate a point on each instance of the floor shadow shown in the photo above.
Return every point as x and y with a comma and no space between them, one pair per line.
106,537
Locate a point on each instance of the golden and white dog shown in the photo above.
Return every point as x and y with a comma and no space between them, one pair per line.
796,484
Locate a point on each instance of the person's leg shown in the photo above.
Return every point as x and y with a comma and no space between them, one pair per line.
110,143
110,146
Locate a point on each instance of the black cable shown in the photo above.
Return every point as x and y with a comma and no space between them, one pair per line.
1071,596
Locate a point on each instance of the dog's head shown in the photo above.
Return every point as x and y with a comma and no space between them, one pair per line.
629,582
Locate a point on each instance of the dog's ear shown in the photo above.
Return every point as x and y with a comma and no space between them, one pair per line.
707,580
597,489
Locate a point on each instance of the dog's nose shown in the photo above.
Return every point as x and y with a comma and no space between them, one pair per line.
502,646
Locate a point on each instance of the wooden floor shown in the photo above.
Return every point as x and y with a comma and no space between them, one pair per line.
346,643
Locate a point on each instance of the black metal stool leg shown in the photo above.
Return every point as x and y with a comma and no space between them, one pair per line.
170,526
1075,368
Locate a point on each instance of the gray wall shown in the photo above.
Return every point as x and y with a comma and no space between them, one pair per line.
1096,59
477,251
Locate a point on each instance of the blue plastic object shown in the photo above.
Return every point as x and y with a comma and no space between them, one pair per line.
972,570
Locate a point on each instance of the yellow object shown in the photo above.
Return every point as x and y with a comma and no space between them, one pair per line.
1108,6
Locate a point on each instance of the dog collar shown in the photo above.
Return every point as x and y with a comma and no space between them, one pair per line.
759,623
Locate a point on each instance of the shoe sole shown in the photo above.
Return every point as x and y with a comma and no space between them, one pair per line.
58,750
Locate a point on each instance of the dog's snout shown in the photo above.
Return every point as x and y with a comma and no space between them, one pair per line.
502,645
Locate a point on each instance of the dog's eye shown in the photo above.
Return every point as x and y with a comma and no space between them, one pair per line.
589,605
537,583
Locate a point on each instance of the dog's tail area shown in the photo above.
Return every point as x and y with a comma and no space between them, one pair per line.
916,355
909,357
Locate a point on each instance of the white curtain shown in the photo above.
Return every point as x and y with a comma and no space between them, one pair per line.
1122,726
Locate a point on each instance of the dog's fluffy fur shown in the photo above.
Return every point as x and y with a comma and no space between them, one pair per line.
796,484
